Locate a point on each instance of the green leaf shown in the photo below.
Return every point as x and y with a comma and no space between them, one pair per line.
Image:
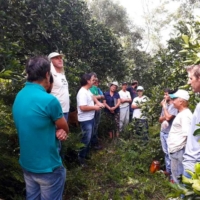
197,61
196,132
185,38
188,61
183,51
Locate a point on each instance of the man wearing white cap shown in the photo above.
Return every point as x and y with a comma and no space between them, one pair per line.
141,121
60,85
179,131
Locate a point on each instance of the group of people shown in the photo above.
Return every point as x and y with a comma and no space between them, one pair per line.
181,147
117,107
41,122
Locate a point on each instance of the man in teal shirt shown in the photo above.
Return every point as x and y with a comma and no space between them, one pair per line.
37,116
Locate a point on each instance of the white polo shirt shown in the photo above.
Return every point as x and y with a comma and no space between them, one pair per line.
60,89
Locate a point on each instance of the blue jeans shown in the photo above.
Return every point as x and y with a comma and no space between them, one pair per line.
94,140
66,115
87,128
176,164
163,139
45,186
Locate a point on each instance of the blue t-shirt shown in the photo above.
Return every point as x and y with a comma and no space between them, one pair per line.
100,92
111,101
35,112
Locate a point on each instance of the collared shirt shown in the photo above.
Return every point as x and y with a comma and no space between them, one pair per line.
60,89
132,91
35,112
111,101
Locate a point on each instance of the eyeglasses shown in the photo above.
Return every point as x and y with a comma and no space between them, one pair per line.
139,90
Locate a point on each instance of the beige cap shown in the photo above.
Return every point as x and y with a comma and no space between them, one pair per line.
54,54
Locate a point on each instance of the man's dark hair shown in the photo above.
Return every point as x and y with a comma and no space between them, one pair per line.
51,79
85,78
51,83
170,91
37,67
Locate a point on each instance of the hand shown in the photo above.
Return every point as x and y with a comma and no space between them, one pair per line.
101,105
97,107
112,108
164,125
61,134
163,103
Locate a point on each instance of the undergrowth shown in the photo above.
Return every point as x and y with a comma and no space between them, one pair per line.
120,171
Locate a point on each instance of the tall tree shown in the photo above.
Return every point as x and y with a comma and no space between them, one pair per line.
39,27
111,15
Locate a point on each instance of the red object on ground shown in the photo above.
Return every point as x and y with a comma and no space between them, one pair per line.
155,166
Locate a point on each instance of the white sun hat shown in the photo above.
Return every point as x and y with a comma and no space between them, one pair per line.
54,54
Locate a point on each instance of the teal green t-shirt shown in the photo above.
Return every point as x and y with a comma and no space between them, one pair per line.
94,90
35,112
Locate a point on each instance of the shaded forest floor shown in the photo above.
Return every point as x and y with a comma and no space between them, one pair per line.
119,171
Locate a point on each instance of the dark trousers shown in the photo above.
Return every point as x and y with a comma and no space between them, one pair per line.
97,116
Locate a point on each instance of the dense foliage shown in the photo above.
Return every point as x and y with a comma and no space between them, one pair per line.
121,170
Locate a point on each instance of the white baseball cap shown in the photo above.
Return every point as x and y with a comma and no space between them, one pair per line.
54,54
183,94
140,88
114,83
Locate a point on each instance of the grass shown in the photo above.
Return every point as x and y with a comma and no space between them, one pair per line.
120,171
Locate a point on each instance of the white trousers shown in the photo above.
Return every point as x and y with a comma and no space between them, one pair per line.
124,117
